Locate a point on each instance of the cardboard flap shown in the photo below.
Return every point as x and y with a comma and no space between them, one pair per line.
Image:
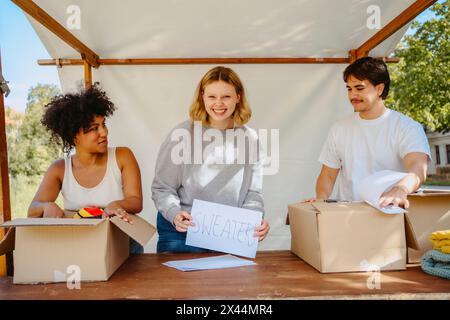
305,233
34,222
322,206
411,240
140,230
303,205
7,244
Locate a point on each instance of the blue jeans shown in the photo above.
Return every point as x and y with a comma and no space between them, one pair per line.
135,247
170,240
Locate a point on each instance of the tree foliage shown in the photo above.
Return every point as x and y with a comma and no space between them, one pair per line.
30,148
421,80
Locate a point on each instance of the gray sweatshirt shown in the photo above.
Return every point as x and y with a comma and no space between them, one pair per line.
196,162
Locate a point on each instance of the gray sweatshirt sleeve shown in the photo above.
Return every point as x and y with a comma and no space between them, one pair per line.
167,181
254,199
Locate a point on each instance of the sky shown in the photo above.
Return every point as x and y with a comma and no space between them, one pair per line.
21,48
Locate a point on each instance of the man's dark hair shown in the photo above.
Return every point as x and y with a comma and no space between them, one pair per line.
371,69
66,114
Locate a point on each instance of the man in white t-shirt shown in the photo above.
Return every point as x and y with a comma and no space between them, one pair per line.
373,138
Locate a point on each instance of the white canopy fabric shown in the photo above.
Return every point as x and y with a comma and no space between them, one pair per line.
300,100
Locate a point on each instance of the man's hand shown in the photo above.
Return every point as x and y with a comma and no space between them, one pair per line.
310,200
396,196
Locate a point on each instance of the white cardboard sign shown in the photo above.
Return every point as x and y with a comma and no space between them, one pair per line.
224,228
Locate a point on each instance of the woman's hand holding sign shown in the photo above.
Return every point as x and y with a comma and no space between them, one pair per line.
262,231
182,221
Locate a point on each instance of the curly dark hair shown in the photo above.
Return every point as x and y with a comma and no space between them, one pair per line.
66,114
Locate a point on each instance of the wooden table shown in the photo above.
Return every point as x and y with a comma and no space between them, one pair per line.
277,275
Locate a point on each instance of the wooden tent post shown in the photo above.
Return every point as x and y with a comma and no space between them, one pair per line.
87,75
5,205
353,55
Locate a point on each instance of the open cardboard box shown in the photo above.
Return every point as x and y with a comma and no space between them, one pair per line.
429,211
51,250
349,237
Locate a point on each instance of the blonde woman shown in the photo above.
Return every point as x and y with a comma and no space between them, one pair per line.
220,108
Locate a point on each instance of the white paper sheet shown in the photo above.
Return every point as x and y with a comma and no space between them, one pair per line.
218,262
371,188
224,228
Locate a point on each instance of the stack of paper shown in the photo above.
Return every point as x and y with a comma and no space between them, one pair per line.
372,187
218,262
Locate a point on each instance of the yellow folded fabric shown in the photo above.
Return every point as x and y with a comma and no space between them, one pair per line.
441,240
445,249
440,235
440,243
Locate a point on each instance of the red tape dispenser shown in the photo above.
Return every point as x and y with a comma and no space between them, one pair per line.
89,213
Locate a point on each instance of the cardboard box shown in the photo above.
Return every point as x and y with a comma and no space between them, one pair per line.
348,237
52,250
428,211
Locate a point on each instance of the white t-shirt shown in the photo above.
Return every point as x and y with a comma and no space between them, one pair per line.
361,147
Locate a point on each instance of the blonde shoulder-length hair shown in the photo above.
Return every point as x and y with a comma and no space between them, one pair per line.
197,111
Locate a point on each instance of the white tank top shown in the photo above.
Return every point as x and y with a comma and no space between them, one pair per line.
109,189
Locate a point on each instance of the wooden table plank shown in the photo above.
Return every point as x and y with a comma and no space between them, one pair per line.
277,275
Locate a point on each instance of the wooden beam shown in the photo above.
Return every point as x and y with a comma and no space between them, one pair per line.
156,61
390,60
87,75
396,24
5,204
51,24
171,61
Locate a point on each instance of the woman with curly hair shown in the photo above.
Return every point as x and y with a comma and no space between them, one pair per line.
96,175
219,109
